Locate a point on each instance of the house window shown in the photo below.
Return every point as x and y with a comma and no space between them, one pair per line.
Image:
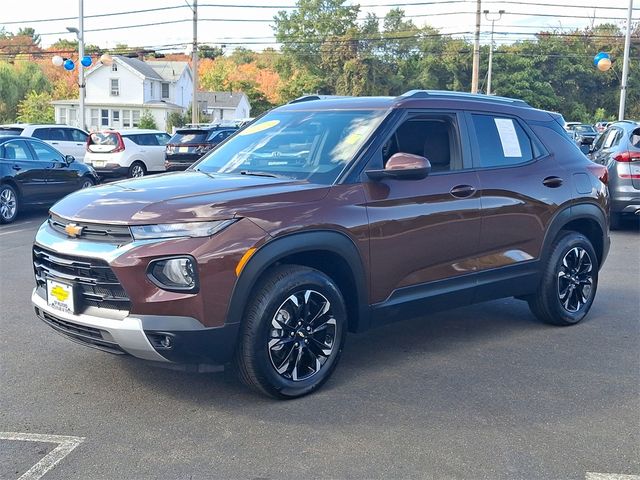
151,89
115,118
104,117
135,117
63,115
126,118
114,67
73,116
115,87
165,90
94,118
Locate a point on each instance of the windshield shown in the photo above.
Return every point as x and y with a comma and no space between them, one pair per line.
585,129
304,145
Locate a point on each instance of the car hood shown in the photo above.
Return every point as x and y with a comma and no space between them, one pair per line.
183,197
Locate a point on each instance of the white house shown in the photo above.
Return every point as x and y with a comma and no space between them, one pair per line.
224,105
117,94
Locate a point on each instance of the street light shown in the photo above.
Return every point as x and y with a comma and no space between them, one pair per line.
493,20
81,86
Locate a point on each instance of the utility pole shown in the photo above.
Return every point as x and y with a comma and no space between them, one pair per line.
625,64
194,65
81,85
493,20
476,49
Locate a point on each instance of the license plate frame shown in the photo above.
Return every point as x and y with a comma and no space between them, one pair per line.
99,163
61,296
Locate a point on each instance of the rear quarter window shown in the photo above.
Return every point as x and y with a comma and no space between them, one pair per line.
501,141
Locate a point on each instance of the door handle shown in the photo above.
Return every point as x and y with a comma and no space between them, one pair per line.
54,143
462,191
552,182
17,168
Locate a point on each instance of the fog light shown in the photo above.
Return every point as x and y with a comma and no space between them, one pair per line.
177,273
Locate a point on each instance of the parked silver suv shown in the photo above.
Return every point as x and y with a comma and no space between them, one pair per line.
618,148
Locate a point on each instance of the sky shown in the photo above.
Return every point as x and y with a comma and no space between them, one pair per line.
451,16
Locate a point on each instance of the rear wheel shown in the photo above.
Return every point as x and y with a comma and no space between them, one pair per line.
569,282
137,169
8,204
293,332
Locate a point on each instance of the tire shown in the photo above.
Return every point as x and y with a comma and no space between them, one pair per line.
278,352
86,182
137,170
565,295
9,203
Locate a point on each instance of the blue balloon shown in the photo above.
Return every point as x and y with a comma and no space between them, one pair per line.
599,57
86,61
69,65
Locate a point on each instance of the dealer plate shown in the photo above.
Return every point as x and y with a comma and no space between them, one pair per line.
60,296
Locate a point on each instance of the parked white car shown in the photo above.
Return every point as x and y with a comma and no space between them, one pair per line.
67,140
126,153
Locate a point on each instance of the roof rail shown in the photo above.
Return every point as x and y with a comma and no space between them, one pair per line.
308,98
461,95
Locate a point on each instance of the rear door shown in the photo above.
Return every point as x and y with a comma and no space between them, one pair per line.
151,151
76,142
30,174
522,187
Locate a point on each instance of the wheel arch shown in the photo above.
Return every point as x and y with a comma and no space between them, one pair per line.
585,218
331,252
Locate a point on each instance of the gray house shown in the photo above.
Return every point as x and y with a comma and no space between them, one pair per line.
224,105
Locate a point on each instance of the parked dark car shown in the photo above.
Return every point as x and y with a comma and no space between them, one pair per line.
32,173
584,134
188,145
618,149
327,216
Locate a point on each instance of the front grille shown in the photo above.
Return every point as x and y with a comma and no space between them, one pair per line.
93,279
119,234
90,336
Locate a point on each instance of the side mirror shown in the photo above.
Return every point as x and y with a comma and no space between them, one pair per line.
69,159
403,166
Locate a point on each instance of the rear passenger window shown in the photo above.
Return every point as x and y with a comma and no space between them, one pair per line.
41,133
146,139
76,135
16,150
502,141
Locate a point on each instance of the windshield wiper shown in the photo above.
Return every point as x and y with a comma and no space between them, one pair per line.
260,174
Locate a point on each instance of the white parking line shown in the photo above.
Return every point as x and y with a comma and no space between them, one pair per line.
13,231
65,447
610,476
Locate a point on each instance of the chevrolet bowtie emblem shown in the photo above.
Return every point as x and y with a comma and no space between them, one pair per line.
73,230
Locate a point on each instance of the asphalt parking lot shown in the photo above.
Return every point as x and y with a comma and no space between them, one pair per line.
473,393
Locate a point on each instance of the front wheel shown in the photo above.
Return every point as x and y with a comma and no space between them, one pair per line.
8,204
86,183
293,332
569,281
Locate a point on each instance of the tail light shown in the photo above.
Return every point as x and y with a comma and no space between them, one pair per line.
600,171
120,145
627,157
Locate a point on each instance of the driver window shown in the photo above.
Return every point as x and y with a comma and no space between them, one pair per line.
431,136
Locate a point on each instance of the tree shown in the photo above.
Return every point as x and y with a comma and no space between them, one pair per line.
208,51
36,108
175,119
16,80
147,121
29,32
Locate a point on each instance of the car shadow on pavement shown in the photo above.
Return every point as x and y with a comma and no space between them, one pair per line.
370,356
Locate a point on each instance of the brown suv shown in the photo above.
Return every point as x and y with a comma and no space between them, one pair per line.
326,216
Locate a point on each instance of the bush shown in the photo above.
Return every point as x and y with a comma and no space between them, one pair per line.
147,121
36,108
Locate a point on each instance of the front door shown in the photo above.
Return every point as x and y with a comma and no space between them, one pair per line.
423,231
61,180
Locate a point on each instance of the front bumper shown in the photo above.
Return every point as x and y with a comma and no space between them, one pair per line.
140,335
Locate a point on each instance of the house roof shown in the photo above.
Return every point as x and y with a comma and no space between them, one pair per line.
141,67
221,99
169,71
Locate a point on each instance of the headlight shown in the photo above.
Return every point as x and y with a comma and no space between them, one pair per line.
174,274
173,230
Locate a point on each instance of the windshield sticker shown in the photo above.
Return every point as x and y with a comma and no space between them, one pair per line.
508,137
260,127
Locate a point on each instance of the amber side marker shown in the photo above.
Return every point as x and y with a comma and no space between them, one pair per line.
243,261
